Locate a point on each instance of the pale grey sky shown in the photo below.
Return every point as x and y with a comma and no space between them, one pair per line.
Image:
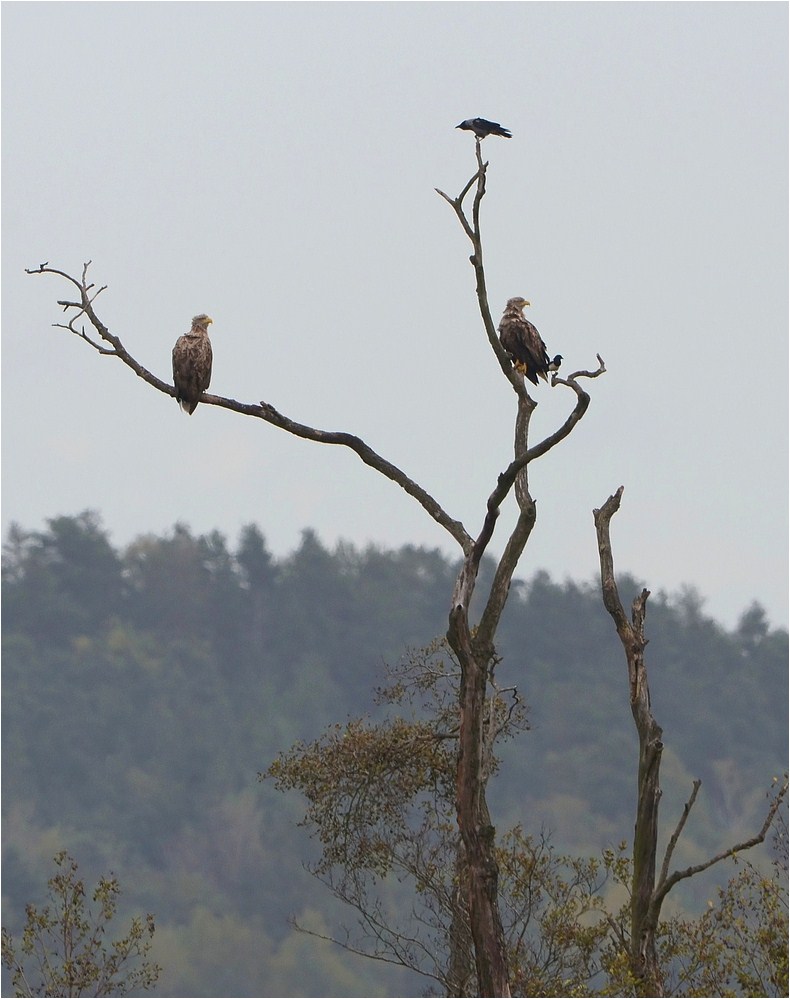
274,164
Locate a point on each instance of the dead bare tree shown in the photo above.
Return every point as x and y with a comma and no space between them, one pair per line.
473,646
648,892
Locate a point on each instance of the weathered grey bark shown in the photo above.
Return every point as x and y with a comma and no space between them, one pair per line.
647,892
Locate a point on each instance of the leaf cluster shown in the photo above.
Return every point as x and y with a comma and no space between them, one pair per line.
64,949
363,784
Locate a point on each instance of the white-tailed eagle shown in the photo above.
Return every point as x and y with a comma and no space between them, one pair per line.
524,344
192,357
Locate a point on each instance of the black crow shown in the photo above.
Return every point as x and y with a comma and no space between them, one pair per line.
482,128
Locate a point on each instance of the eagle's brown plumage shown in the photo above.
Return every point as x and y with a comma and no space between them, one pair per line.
523,342
192,357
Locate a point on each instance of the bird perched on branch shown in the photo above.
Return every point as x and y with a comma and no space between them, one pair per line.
524,344
482,128
192,357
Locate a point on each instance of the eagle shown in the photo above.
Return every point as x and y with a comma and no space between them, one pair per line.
192,357
524,344
482,128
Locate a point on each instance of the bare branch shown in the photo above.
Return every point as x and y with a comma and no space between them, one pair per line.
457,205
556,380
507,480
371,955
582,402
673,839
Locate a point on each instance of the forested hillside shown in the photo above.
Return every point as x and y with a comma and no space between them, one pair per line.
145,688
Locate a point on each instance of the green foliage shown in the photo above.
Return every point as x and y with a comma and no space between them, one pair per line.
64,950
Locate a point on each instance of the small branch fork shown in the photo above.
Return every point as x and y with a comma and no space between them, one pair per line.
648,893
84,307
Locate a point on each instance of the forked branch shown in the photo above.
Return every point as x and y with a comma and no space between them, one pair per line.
667,882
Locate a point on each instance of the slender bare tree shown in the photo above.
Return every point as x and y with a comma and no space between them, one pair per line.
473,645
648,891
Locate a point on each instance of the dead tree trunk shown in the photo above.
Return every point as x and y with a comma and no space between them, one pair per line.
643,957
647,892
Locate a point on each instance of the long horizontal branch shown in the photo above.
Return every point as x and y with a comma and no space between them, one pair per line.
267,412
261,410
